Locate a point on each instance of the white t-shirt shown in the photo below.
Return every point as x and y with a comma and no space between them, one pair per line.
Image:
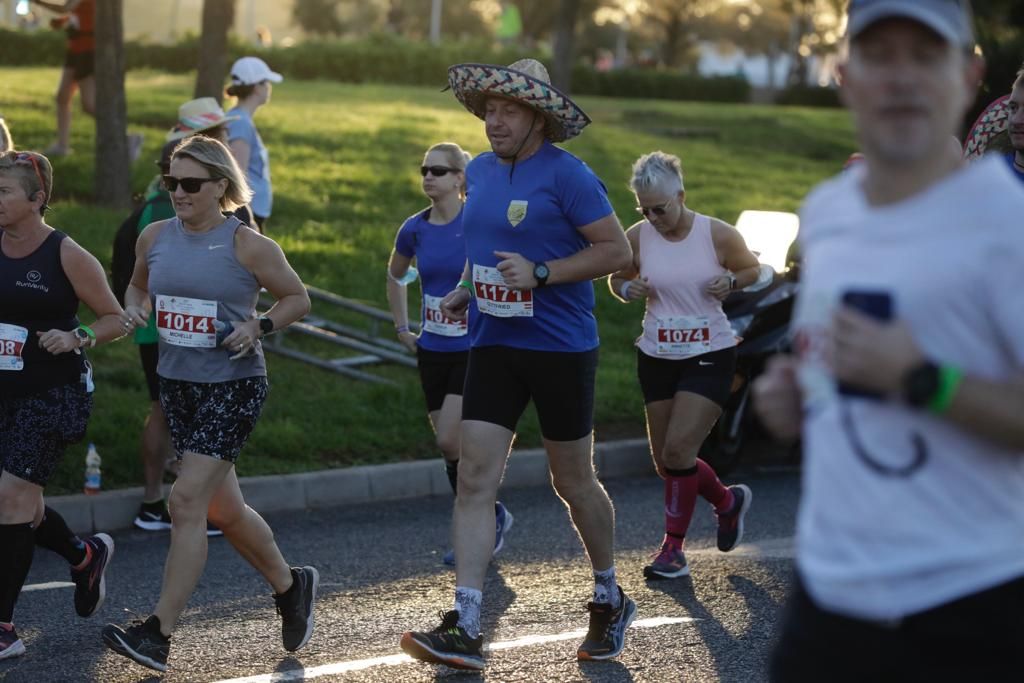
901,510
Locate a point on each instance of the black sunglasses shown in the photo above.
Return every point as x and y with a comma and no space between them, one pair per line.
190,185
437,171
656,210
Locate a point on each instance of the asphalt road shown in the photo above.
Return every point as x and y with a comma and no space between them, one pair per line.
381,575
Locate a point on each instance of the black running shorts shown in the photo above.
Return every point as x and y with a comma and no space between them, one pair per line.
708,375
501,380
82,64
442,373
35,430
215,418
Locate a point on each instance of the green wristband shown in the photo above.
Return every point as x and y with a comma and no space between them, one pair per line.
88,331
949,381
468,285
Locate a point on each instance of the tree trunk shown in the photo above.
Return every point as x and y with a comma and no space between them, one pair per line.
113,168
565,33
218,15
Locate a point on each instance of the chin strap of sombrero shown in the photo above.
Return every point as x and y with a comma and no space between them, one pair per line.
519,148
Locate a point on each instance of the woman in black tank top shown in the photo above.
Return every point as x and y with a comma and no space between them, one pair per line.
45,382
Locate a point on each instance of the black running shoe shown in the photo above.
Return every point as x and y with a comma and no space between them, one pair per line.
90,583
730,524
152,517
607,632
447,644
296,608
142,642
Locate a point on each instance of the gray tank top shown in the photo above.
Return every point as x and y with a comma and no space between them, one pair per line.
195,279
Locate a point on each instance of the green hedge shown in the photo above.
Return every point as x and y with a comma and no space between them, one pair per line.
382,59
809,96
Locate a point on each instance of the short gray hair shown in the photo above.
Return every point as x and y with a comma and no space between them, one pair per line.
656,170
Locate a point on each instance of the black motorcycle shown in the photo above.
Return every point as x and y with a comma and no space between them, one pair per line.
760,317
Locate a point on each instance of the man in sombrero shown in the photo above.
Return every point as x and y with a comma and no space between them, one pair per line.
1015,125
539,228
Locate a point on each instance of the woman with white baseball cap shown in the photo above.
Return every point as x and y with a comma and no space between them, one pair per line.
250,83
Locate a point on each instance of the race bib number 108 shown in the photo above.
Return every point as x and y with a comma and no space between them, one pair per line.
494,297
181,321
12,342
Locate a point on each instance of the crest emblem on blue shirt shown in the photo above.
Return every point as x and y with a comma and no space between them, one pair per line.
516,211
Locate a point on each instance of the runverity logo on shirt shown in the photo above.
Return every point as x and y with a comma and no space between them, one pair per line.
33,277
516,211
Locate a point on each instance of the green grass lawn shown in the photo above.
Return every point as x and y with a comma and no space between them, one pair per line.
345,162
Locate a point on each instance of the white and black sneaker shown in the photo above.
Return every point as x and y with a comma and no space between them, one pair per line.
296,608
152,517
142,642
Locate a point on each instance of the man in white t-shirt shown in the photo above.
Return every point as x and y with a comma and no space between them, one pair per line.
908,386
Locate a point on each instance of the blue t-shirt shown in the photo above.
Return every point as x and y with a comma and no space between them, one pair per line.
536,213
440,253
258,170
1010,158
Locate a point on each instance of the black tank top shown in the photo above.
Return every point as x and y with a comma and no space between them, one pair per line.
36,295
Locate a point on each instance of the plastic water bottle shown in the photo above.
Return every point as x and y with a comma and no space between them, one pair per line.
224,328
93,476
409,277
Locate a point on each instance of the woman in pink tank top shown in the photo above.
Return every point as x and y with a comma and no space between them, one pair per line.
684,265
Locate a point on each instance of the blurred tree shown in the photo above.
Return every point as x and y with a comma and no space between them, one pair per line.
318,17
1000,32
113,173
218,16
565,35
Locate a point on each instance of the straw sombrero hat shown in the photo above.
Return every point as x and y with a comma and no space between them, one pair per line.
989,132
525,81
195,116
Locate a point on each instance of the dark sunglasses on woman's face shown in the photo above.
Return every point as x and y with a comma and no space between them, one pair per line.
437,171
190,185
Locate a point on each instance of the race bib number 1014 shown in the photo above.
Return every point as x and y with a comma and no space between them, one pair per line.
181,321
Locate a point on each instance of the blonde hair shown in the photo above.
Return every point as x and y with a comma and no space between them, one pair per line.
217,160
33,177
455,156
6,143
657,170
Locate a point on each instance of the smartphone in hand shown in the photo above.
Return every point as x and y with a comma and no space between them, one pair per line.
878,305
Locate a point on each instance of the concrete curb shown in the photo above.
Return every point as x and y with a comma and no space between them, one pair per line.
115,510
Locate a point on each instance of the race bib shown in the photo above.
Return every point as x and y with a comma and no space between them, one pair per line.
435,322
181,321
684,336
494,297
12,343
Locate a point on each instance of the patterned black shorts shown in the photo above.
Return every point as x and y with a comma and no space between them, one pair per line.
35,430
214,418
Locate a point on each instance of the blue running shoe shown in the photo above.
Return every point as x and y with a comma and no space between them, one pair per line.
502,523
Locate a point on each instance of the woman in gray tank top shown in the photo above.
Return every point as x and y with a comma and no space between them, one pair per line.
201,274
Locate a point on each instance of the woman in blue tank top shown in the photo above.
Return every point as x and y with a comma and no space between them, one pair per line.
45,383
212,383
434,238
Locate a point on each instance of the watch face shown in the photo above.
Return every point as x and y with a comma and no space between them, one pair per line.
540,272
81,334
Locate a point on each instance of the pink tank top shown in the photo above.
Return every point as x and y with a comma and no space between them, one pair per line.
681,319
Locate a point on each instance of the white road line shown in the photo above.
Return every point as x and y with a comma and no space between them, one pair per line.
392,660
47,586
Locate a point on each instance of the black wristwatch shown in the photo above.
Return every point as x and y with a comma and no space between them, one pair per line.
83,337
541,273
266,325
920,384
